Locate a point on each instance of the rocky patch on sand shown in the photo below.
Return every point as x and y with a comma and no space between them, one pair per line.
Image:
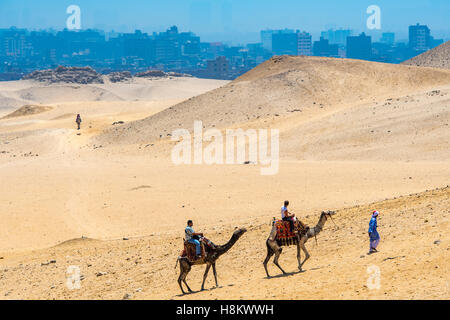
87,75
160,74
119,76
80,75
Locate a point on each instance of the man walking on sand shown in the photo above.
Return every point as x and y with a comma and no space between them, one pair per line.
373,233
78,121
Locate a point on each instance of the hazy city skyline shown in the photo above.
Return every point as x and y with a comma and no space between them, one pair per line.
230,21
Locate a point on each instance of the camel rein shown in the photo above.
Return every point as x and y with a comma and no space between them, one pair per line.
315,237
334,222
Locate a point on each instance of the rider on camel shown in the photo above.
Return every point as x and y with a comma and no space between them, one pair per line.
193,237
287,216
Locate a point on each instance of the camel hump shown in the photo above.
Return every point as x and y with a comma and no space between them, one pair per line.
301,227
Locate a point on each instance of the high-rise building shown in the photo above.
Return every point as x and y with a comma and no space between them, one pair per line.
338,37
168,46
14,43
359,47
388,38
285,43
190,43
304,44
323,48
218,68
419,37
266,37
139,45
435,42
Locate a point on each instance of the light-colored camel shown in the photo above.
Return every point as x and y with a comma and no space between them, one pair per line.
274,249
210,260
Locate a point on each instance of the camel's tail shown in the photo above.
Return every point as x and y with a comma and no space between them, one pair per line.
177,262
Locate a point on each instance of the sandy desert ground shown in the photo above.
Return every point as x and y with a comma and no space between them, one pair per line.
354,137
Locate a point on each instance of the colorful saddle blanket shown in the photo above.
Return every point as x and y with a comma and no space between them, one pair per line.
283,230
189,250
284,235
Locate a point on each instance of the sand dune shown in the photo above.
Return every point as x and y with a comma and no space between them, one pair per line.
14,94
100,104
438,57
8,103
48,94
283,87
408,128
28,110
29,92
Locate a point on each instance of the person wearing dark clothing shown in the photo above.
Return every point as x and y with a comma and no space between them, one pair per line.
78,121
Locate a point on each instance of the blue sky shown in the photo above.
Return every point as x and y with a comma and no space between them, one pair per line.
229,20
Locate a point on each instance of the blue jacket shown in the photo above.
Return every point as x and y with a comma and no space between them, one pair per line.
373,229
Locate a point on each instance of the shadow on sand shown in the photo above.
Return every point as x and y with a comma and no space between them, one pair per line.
204,290
287,274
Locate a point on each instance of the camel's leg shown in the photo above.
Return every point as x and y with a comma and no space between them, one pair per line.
180,278
275,260
205,275
184,270
306,253
187,269
184,280
269,255
299,256
179,282
215,273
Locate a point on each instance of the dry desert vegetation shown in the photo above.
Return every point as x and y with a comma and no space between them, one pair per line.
355,136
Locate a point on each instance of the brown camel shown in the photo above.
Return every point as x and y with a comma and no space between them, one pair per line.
210,260
274,248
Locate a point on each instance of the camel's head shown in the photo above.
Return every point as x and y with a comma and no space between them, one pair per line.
328,213
239,232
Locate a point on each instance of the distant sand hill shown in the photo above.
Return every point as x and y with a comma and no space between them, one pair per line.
28,110
15,94
438,57
281,88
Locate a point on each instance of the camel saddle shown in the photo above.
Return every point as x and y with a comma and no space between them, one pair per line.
284,235
189,250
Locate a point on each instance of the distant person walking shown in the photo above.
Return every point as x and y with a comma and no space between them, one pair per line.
373,233
78,121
